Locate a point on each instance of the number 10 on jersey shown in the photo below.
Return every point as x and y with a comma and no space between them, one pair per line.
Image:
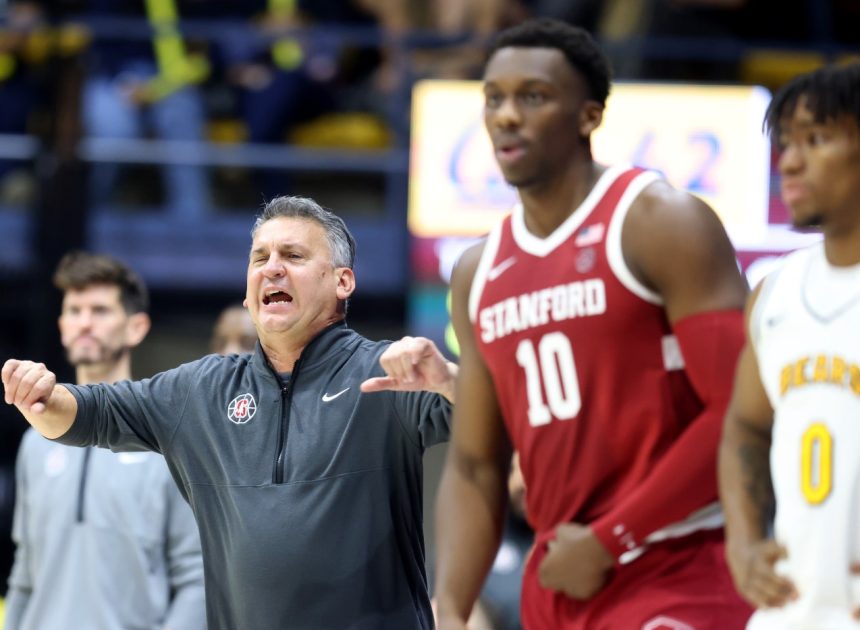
550,368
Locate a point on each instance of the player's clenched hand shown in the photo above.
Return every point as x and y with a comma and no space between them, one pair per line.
413,364
753,569
576,563
27,385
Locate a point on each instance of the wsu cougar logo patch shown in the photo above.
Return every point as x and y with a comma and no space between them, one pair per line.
242,408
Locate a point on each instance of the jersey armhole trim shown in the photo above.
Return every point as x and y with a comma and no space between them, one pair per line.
768,285
491,248
613,240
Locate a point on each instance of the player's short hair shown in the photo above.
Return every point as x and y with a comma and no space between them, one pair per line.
80,270
340,241
577,45
830,92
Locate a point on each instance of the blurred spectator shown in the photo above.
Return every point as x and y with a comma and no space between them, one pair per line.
139,87
22,47
690,40
285,79
234,331
466,24
719,32
445,39
619,24
694,19
583,13
845,17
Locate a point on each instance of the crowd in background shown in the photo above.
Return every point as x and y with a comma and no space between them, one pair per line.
336,72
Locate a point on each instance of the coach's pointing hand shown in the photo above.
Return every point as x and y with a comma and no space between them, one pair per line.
413,364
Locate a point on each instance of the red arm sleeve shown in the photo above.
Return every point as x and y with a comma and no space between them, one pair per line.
685,479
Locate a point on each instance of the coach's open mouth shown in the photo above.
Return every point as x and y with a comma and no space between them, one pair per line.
271,297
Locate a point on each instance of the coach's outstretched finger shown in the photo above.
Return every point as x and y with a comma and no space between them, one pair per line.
413,364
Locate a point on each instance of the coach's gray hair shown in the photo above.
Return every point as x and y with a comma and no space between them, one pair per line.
340,241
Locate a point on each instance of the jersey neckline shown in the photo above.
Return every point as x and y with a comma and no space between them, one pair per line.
541,247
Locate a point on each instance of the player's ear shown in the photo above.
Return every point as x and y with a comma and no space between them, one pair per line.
345,282
590,117
136,329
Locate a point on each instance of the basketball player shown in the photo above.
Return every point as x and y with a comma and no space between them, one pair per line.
599,327
796,400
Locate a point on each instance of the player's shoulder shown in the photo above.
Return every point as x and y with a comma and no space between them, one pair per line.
659,201
664,218
790,266
784,273
800,257
779,287
468,262
471,256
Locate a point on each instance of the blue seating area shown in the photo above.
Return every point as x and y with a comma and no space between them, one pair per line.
206,247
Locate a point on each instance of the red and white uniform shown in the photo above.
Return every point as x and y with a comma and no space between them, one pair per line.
564,316
589,377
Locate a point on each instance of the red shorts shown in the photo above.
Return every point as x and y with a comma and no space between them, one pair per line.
681,584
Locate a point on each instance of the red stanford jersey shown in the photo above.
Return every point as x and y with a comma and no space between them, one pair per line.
587,372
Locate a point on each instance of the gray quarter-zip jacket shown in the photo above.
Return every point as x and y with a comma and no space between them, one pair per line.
104,541
308,495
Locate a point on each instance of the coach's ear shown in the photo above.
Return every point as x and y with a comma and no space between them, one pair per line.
345,282
136,329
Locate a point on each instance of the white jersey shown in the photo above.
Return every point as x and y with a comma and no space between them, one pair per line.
805,329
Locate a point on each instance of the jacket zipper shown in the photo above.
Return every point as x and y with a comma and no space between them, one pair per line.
82,486
286,403
284,429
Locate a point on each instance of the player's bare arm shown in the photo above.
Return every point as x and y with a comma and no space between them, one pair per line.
746,490
33,389
675,244
473,491
414,364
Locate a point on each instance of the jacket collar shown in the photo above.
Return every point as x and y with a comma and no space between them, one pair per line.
327,343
